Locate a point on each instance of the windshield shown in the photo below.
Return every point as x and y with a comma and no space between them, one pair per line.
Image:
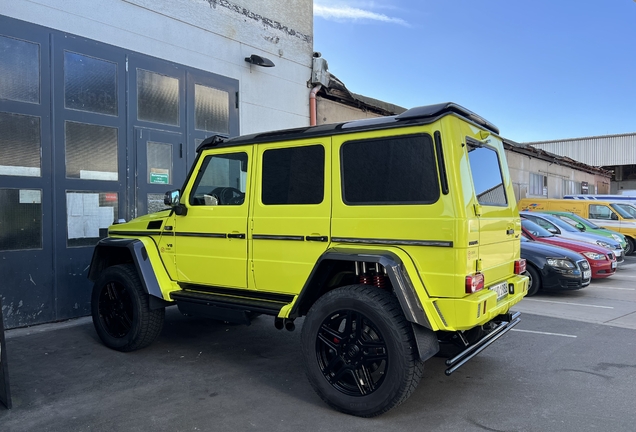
535,229
563,225
588,223
625,209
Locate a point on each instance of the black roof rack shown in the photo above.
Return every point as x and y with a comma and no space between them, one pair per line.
418,115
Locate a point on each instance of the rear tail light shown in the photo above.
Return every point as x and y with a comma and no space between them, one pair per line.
520,266
474,283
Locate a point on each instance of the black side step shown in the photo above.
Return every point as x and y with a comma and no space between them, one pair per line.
222,307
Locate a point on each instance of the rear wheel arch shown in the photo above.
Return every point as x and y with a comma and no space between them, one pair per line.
336,268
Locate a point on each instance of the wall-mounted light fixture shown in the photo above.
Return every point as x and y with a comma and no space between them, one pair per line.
259,61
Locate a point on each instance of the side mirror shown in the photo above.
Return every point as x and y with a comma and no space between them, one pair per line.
171,198
580,226
554,231
613,216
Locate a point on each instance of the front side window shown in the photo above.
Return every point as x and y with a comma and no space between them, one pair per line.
601,212
294,175
487,177
391,170
222,180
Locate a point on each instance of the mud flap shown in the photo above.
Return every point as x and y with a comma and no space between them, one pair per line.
427,343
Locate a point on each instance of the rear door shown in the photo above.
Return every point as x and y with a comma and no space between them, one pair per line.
498,226
291,214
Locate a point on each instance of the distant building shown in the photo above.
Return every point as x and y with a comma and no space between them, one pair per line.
615,153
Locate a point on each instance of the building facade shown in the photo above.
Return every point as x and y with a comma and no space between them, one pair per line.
102,106
615,153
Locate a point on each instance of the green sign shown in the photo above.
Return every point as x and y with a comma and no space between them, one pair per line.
158,178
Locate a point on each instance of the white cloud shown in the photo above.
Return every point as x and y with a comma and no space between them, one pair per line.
347,13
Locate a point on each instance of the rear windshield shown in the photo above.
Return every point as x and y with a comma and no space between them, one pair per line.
535,229
486,172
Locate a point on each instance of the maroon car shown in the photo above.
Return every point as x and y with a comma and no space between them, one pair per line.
602,261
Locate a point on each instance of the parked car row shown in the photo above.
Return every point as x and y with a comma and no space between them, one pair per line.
564,251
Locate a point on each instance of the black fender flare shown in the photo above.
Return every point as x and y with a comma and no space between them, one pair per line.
426,338
113,251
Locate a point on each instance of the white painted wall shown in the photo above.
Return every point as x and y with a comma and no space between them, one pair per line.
212,35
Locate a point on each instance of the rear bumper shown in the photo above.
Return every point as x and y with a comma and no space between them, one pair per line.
477,309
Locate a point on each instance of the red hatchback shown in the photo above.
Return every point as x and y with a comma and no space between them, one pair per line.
602,261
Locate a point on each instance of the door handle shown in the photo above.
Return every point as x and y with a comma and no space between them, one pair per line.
317,238
510,231
239,236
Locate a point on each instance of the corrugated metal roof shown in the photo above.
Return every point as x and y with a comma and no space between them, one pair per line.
607,150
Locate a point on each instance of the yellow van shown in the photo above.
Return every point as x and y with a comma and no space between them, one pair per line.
606,214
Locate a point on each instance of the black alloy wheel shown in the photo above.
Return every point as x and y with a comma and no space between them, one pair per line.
534,284
116,309
121,313
360,352
352,354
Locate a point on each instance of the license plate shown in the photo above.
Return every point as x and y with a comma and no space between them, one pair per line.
501,290
614,264
587,274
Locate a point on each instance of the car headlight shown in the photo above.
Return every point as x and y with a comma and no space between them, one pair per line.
617,238
561,263
603,244
594,256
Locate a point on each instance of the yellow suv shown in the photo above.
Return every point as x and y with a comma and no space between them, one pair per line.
393,237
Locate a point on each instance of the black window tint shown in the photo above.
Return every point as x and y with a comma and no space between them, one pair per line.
487,178
392,170
294,175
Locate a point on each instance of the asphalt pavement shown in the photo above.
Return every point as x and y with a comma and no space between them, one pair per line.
548,374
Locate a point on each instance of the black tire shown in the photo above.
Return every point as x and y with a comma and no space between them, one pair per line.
534,284
359,350
629,248
121,313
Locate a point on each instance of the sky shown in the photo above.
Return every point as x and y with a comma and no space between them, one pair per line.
539,70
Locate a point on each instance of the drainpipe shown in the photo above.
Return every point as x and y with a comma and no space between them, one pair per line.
312,104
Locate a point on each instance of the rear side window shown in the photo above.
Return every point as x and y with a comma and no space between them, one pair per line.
487,178
294,175
392,170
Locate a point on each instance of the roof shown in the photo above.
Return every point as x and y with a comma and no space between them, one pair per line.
414,116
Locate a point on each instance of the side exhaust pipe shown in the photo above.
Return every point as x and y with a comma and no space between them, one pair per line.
289,325
284,323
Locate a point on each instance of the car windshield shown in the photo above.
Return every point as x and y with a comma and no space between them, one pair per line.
588,223
561,224
625,210
535,229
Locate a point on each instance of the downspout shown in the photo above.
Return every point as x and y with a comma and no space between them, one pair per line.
312,104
